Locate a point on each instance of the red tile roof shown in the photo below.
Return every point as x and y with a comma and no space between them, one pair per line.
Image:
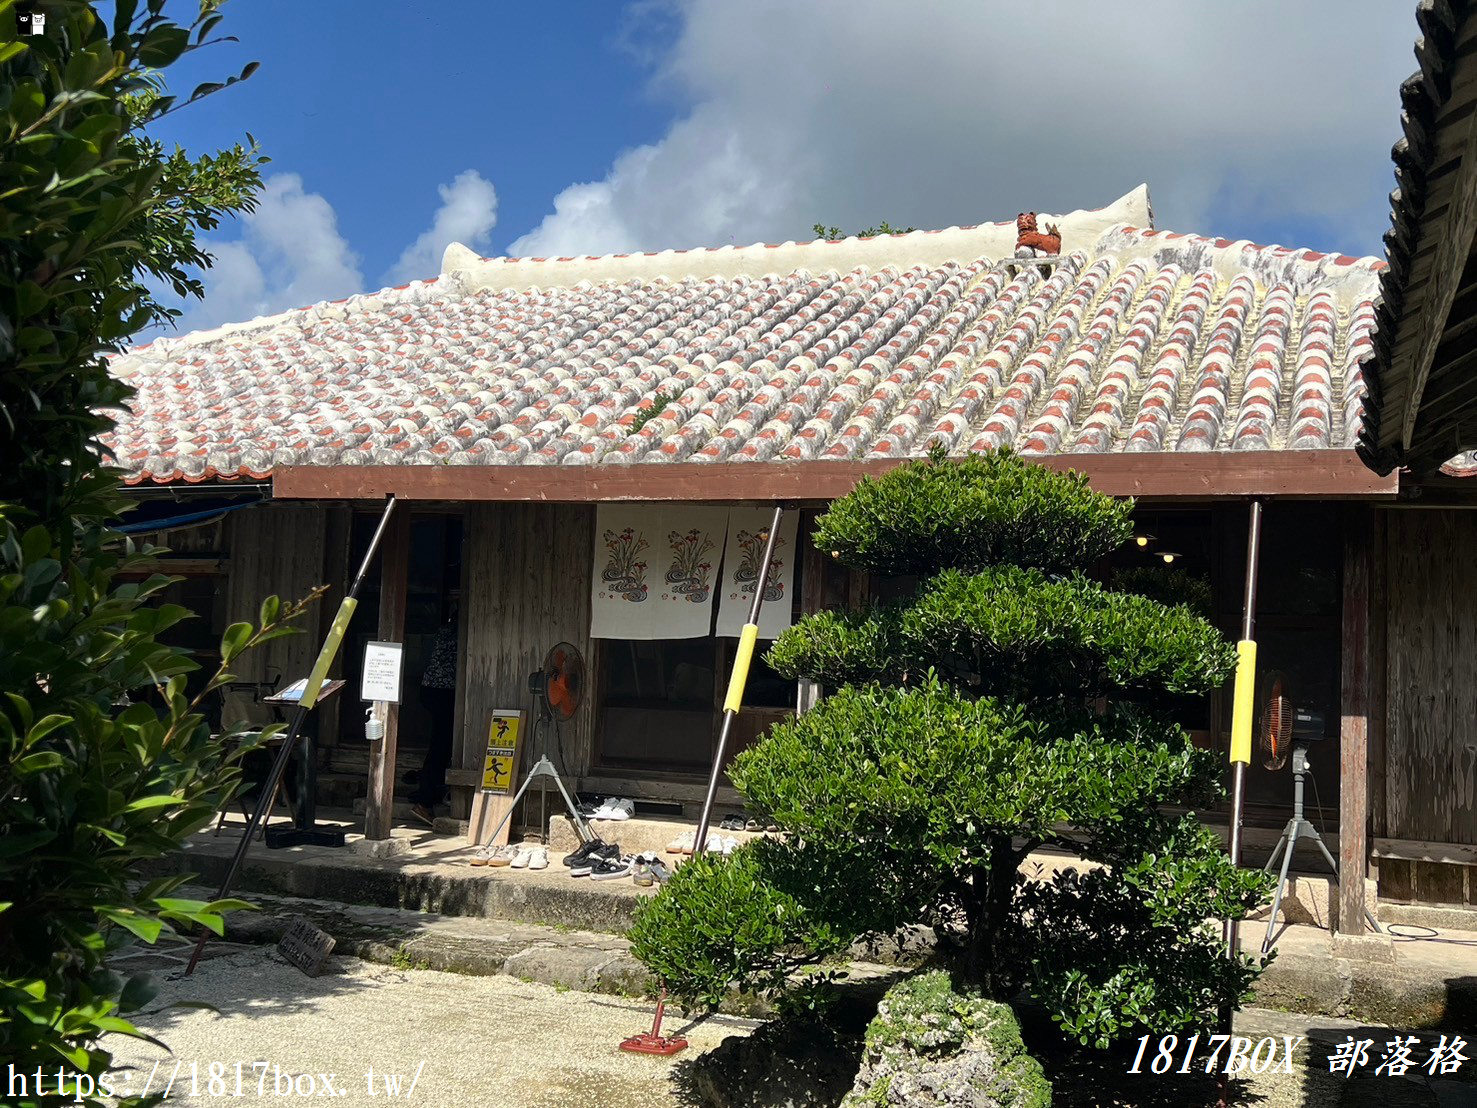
1134,341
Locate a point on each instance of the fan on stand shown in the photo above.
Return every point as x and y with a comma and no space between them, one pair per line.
558,687
1283,729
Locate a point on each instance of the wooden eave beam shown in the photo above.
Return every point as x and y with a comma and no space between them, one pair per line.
1306,474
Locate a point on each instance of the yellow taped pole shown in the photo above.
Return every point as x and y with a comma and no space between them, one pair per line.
1241,720
1244,696
748,639
311,691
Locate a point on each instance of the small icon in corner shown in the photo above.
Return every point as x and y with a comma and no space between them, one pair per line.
28,21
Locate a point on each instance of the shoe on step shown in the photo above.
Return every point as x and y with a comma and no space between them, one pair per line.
615,808
538,857
607,869
502,856
582,852
682,844
520,860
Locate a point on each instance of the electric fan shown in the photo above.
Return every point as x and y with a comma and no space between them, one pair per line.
1284,729
1274,721
559,684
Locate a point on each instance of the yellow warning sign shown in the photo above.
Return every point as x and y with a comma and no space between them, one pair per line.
500,763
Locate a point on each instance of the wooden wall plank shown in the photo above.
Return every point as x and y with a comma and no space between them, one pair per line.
274,549
528,587
1431,666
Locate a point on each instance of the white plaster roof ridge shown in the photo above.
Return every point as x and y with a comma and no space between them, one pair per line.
471,272
251,330
1352,280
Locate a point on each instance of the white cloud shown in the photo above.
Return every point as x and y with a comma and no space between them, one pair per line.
467,215
938,112
290,254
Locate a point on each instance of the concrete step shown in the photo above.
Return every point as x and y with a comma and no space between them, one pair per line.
636,836
417,870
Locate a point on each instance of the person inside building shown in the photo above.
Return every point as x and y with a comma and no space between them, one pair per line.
438,694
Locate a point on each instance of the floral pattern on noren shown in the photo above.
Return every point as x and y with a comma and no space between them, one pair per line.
625,573
746,576
690,574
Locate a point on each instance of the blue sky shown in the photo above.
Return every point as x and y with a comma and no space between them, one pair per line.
593,127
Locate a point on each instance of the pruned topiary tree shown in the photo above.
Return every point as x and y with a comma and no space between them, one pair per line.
1009,703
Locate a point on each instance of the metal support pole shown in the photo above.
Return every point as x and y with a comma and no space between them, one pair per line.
654,1042
305,704
1245,694
748,638
1241,724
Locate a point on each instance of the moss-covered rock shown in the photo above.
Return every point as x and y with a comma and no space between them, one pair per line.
931,1046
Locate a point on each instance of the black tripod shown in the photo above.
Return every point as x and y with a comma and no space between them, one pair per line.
1297,828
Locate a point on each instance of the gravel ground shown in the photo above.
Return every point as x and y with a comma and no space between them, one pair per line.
484,1041
497,1041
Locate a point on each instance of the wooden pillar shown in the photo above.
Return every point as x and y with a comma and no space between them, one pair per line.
394,573
1356,702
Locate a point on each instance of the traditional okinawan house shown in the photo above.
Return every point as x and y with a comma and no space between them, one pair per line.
588,447
1419,418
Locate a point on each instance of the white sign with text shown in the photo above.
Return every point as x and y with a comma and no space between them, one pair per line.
381,677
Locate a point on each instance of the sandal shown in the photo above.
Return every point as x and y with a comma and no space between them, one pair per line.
752,825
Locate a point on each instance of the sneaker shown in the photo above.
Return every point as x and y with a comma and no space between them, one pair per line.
732,823
727,846
520,860
582,852
607,869
615,808
502,856
659,871
650,870
601,853
682,844
715,844
538,858
482,857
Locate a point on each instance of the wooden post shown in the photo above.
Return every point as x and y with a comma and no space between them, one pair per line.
1356,700
394,571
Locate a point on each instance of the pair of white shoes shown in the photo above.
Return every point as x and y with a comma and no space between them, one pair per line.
514,857
686,842
614,808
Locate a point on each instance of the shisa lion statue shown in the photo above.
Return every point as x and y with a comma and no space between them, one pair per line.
1031,243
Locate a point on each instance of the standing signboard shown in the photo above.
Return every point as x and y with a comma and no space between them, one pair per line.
499,775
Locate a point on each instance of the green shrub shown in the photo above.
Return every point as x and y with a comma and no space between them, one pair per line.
1000,709
104,761
1014,631
980,511
1167,585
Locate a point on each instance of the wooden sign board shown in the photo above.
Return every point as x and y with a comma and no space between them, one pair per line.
495,790
306,946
